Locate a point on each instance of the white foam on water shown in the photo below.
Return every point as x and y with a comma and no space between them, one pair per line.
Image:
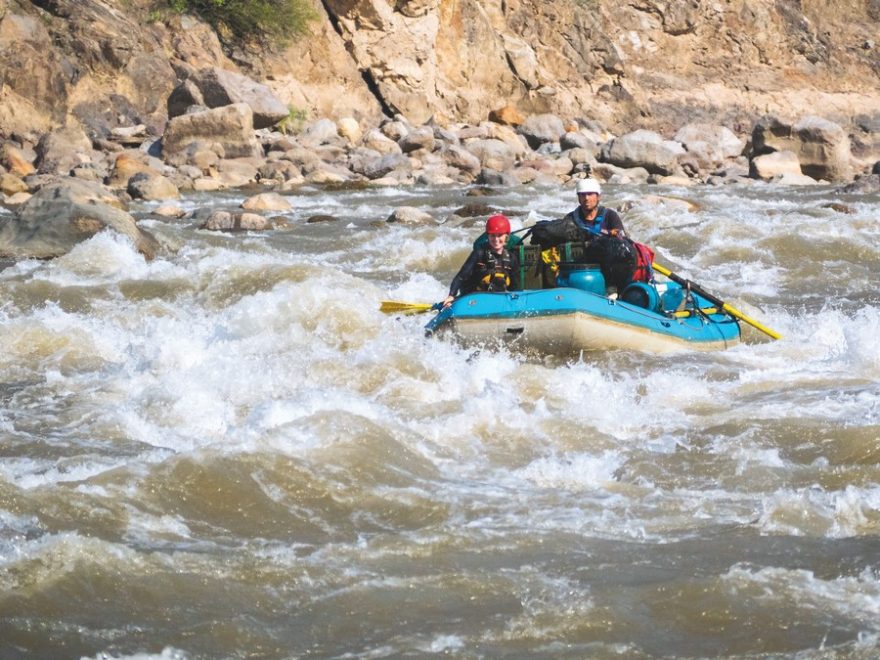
34,474
146,528
14,532
575,473
273,415
49,557
167,653
853,597
106,257
419,288
849,512
862,349
445,644
814,353
253,346
50,334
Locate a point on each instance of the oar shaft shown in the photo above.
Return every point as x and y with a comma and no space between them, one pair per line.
690,312
752,322
693,286
730,309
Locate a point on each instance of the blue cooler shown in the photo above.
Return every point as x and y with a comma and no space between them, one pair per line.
586,277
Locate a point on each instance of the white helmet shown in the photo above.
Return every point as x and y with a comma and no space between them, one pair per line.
588,186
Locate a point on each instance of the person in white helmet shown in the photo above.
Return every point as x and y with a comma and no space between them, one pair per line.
590,219
599,229
586,223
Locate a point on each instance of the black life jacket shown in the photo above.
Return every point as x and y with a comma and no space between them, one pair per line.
494,270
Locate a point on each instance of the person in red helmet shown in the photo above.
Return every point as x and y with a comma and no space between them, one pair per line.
490,267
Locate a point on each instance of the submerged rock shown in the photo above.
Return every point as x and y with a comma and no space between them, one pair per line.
64,213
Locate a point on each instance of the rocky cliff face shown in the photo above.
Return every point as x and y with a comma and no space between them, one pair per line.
642,64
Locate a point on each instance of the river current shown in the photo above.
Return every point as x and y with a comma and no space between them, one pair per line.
230,452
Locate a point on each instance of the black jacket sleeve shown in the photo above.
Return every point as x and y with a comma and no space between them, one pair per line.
613,221
463,281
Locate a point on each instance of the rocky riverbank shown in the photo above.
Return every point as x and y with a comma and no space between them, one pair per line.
180,115
68,186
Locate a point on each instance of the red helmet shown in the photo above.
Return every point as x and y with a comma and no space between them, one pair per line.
497,224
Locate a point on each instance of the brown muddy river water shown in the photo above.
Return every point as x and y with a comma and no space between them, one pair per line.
229,452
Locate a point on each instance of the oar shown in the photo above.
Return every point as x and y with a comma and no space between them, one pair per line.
396,307
715,301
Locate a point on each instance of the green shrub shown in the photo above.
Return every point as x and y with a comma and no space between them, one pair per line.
294,120
262,20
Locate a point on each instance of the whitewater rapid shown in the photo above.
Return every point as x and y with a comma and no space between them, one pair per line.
229,451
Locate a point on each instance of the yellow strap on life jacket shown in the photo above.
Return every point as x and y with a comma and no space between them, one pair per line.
487,280
551,257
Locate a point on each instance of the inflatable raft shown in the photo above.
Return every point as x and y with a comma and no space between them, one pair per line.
578,314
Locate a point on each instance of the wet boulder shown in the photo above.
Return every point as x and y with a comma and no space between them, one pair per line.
791,179
769,166
643,148
493,154
233,222
152,187
708,146
64,213
410,215
865,142
238,172
279,171
397,164
868,184
268,201
490,177
539,129
822,147
59,151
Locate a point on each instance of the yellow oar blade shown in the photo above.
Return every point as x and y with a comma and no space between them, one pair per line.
395,307
730,309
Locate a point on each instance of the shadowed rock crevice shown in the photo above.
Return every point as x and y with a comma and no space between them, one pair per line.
366,74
